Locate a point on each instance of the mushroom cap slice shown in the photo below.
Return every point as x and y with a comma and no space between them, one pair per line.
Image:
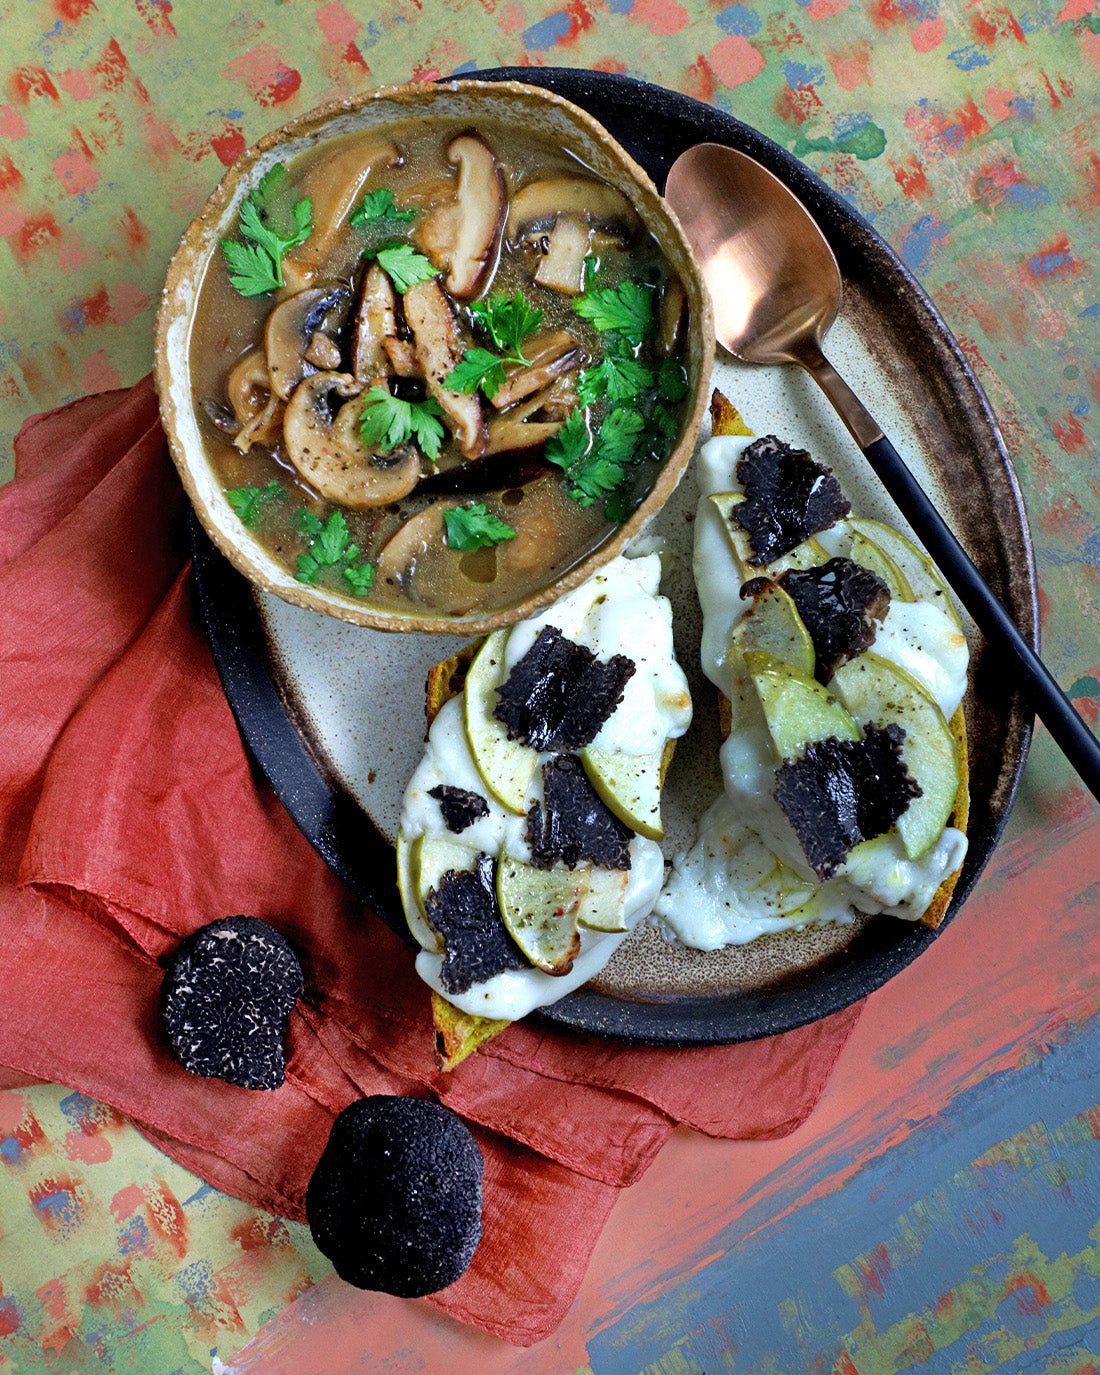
539,204
439,349
418,561
463,235
258,411
333,184
288,335
548,356
375,321
322,441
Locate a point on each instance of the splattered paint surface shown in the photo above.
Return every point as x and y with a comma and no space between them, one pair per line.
939,1210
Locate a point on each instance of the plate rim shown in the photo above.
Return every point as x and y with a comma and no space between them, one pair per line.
333,821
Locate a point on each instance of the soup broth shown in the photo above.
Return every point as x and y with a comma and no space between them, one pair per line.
461,372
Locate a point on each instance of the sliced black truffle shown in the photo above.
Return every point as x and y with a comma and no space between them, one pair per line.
460,807
788,498
395,1199
559,694
839,604
842,792
476,943
226,997
573,824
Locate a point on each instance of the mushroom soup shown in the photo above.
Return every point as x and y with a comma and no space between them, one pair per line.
436,366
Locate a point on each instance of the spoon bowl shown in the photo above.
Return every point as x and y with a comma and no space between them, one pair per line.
773,279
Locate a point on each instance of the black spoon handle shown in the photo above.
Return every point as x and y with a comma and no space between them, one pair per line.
1051,704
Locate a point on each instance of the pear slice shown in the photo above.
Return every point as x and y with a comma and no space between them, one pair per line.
540,908
604,905
629,786
808,554
875,690
925,579
507,766
773,626
797,708
421,864
870,555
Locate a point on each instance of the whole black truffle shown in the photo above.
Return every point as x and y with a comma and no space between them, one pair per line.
395,1200
226,998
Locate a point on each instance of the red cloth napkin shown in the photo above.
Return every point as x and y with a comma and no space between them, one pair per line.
130,815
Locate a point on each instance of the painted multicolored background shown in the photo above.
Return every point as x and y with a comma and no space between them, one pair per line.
940,1210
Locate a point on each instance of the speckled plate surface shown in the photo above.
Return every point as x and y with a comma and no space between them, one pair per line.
334,713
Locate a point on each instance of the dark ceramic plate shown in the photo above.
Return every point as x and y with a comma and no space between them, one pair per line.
924,394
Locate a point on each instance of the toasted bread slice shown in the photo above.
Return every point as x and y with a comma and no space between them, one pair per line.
726,420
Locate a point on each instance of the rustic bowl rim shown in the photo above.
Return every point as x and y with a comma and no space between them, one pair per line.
191,259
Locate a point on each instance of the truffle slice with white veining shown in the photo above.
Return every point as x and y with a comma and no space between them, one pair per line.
573,824
476,943
842,605
395,1199
226,997
559,694
788,498
460,806
842,792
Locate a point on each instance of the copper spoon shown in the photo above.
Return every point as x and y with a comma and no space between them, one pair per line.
775,286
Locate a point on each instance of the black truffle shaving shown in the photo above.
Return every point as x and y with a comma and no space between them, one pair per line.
226,997
842,792
839,603
559,694
788,498
575,825
476,943
460,807
395,1199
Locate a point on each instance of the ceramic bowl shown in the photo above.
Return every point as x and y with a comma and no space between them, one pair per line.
541,112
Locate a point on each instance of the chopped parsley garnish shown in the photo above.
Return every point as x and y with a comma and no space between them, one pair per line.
331,547
475,527
377,206
508,320
619,435
595,469
627,309
570,443
360,578
613,379
672,380
257,267
386,421
249,502
404,266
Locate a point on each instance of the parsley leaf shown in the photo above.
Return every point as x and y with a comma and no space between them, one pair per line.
613,379
570,442
619,504
672,380
594,476
257,267
248,502
508,319
330,548
360,577
619,434
665,422
474,527
626,308
478,368
377,206
404,266
386,421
